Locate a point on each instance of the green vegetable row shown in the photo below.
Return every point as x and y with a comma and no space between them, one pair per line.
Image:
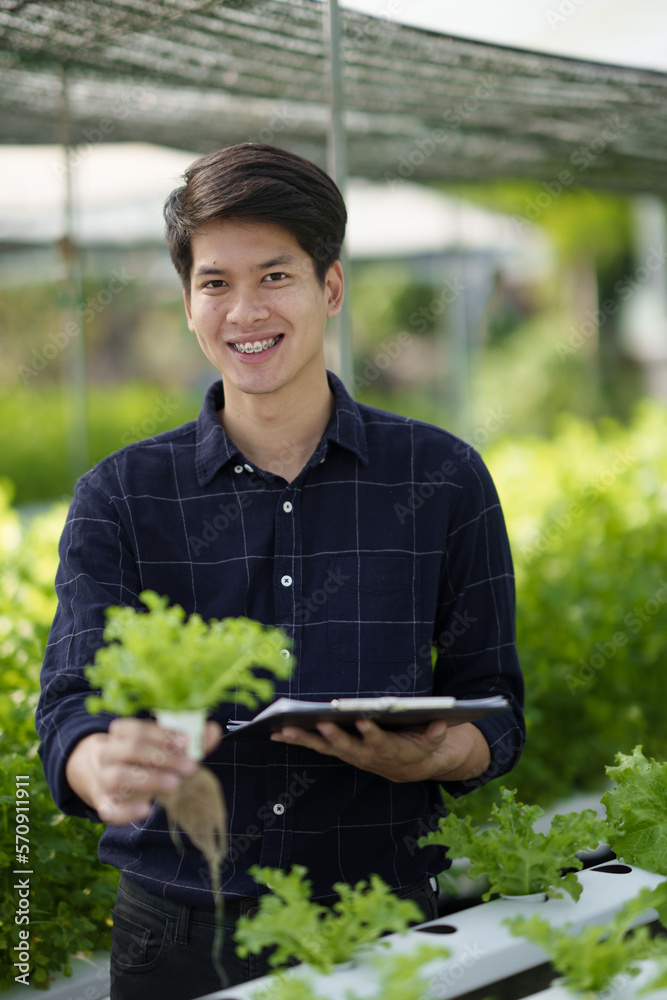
516,861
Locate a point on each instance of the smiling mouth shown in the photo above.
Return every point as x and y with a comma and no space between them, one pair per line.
256,346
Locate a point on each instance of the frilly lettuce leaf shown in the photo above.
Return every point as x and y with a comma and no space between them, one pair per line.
591,958
322,936
158,660
516,859
636,811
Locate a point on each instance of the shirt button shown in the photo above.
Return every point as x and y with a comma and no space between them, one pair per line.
285,653
279,809
286,581
287,507
248,468
238,468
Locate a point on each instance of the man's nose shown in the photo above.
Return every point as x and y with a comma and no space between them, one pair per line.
247,308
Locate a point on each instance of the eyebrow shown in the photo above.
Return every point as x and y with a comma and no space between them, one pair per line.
282,259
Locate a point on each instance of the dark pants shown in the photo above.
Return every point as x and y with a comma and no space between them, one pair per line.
162,949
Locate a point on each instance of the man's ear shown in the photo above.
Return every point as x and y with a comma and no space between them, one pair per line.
188,309
334,285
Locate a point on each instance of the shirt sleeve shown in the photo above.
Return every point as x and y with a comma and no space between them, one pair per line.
475,623
97,569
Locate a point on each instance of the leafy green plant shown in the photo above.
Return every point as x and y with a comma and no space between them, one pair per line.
516,859
71,894
297,927
636,810
158,660
591,958
596,505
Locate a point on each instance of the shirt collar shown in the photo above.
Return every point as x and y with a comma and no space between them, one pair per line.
214,448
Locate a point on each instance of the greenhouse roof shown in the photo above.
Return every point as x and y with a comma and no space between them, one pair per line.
198,74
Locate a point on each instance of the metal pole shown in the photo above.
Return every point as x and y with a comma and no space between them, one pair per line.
460,372
461,348
646,310
74,358
337,166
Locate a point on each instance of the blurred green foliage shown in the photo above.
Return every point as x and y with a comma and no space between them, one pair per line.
71,893
35,453
134,324
521,357
580,221
385,298
587,519
533,376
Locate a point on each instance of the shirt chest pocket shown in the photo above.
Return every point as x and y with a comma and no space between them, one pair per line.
375,615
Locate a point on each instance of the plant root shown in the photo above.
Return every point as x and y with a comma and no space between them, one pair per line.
197,807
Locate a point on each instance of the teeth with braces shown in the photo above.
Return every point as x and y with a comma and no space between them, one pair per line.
256,346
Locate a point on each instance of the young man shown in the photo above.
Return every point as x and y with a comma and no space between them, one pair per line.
289,503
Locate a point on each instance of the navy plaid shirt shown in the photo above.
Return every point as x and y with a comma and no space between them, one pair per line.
389,541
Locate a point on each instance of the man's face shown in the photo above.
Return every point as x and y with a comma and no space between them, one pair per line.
256,305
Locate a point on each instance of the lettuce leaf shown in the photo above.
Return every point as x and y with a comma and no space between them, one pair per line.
515,858
591,958
636,811
322,936
158,660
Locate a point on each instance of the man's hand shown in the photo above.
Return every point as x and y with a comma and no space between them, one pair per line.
437,753
119,773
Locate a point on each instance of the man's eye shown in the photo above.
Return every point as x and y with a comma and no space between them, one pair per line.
214,283
276,276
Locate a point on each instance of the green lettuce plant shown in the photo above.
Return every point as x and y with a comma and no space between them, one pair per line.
516,859
590,959
298,927
636,811
160,660
157,660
